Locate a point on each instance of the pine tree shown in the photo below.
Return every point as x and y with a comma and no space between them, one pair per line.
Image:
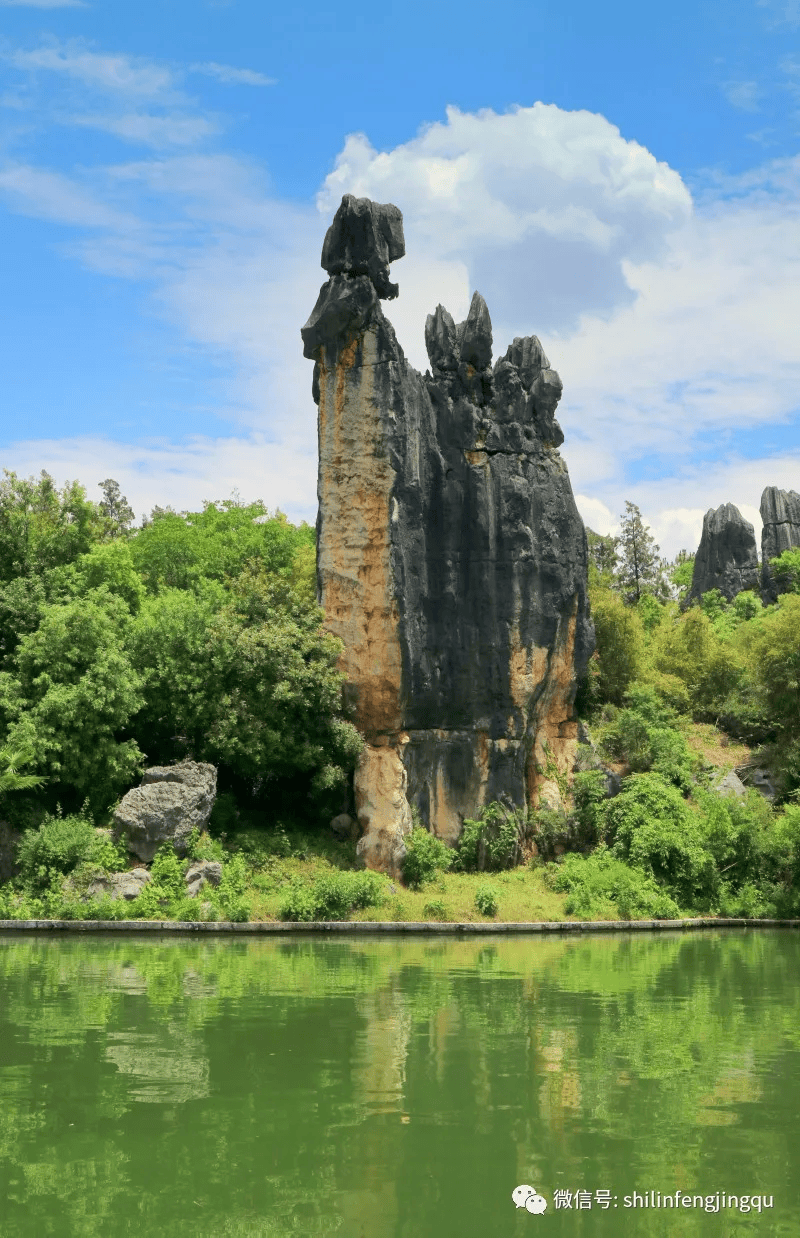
603,552
641,569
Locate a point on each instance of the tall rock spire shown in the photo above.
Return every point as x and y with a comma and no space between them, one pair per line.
451,558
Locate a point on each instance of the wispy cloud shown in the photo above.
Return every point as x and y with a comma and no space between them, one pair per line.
785,12
50,195
127,75
743,95
148,130
231,76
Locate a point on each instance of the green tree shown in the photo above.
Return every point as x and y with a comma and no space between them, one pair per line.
42,527
773,653
70,696
641,570
115,507
247,675
603,551
619,654
786,570
681,572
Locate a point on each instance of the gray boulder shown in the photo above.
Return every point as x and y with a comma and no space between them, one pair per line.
201,873
344,826
363,239
119,885
727,558
780,512
729,784
172,801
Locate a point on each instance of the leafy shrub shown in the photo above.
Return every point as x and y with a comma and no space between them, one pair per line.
59,845
493,841
425,856
435,909
204,847
486,901
652,828
596,880
332,897
589,794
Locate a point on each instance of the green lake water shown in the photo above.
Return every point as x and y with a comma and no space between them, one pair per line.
398,1087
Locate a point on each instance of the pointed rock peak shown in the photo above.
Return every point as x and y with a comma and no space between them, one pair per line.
441,339
528,358
363,239
717,518
780,506
476,341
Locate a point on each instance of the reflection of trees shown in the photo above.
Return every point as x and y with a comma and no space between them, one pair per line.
319,1086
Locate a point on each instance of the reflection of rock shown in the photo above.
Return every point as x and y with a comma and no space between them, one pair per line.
172,801
169,1067
726,558
452,561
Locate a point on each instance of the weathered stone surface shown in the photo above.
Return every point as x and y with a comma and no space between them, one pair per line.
381,785
343,825
172,801
452,563
780,513
201,873
9,837
363,239
729,784
119,885
727,558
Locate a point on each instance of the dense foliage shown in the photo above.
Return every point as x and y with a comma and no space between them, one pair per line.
197,634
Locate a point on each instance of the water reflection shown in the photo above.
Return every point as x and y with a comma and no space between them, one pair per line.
394,1087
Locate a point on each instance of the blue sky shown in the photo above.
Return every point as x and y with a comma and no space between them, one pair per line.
621,179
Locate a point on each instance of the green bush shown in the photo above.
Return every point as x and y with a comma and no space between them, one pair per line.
435,909
486,901
589,794
493,841
652,828
333,896
426,855
59,845
594,881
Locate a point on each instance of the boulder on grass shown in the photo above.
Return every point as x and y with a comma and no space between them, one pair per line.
172,801
201,873
119,885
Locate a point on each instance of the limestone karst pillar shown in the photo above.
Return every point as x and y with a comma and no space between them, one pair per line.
451,557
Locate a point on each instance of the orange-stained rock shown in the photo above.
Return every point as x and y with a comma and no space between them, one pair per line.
452,560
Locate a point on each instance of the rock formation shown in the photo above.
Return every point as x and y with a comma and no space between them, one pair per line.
727,558
172,801
780,512
451,558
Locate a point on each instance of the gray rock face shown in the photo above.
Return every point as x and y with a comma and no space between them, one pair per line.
201,873
452,560
780,512
362,240
726,558
172,801
342,825
119,885
730,784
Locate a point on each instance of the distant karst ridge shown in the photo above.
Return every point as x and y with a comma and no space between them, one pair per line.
451,560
